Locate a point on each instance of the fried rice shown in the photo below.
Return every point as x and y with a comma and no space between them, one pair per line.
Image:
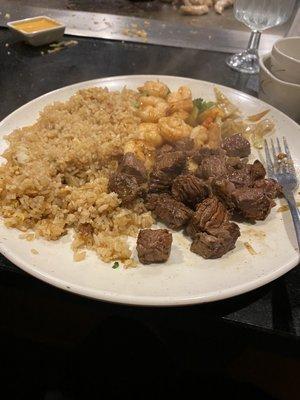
56,174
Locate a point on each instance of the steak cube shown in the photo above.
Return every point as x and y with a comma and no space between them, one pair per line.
154,246
271,187
126,186
171,212
205,152
223,190
189,189
171,163
210,214
257,170
131,165
240,177
236,146
212,167
253,203
216,242
168,166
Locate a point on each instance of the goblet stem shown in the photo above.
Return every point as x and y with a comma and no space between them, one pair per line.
247,60
254,40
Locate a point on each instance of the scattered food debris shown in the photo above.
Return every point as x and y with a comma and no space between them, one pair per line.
27,236
286,207
135,31
8,53
281,156
249,248
255,232
116,265
130,263
34,251
6,44
7,16
55,47
79,256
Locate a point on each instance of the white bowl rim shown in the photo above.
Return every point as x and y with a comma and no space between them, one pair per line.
275,48
262,60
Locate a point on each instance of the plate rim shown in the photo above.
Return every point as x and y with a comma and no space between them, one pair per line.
147,301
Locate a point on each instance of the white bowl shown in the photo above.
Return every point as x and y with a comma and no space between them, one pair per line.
285,59
39,37
283,95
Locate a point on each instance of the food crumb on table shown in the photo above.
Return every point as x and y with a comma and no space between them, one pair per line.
34,251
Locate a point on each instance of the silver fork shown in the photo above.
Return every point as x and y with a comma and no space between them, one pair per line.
285,174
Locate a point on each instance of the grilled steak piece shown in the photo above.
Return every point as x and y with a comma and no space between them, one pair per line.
168,166
236,162
236,146
212,167
126,186
205,152
189,189
240,177
245,174
171,212
223,190
216,242
271,187
210,214
131,165
257,170
171,162
166,148
160,182
253,203
186,145
154,246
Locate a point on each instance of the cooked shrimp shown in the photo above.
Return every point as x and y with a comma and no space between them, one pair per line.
181,100
180,114
200,136
154,88
149,132
220,5
152,108
194,10
142,150
173,128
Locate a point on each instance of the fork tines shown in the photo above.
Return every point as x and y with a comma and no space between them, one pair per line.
280,161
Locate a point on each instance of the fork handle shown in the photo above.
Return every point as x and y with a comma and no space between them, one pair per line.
295,213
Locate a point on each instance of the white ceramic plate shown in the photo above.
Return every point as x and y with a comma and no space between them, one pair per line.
186,278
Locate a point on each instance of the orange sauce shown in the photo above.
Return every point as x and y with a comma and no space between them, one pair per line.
35,25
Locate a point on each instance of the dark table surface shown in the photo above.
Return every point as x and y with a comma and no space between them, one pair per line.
26,74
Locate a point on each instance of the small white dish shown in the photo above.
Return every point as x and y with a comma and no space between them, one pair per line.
38,31
283,95
285,59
